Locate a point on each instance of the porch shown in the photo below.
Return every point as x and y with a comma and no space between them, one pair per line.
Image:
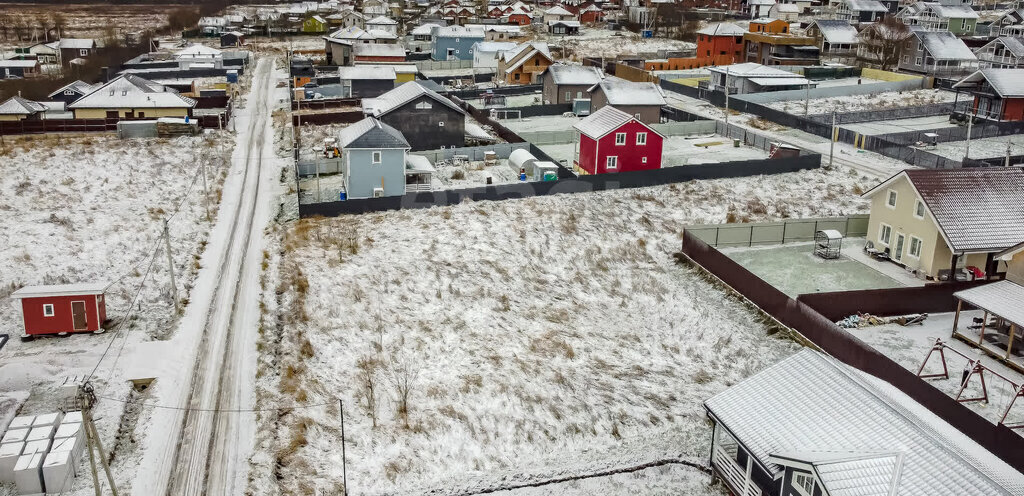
726,454
997,331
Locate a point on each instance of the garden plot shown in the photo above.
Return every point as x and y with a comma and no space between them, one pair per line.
510,338
877,101
981,148
875,128
680,150
90,209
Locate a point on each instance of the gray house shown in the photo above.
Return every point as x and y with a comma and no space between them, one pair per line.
566,83
367,81
938,54
428,120
455,42
641,100
72,92
373,159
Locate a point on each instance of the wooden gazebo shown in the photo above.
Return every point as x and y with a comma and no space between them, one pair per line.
1000,327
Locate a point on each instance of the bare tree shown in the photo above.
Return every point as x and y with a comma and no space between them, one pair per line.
59,23
884,42
403,375
367,372
6,22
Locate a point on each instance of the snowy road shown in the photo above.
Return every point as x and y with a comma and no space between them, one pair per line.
868,163
209,365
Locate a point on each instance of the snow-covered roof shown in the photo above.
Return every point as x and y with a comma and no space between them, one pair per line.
371,133
459,32
836,31
977,210
417,163
493,46
751,69
400,96
809,405
131,91
1015,44
575,74
85,288
1002,298
761,2
722,29
350,33
197,50
570,24
79,86
943,45
519,55
787,8
77,43
558,10
383,20
793,80
424,29
319,19
865,5
363,72
17,105
378,50
622,92
1008,83
24,64
605,120
954,11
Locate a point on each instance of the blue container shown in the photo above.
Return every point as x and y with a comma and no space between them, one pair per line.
342,196
232,76
647,33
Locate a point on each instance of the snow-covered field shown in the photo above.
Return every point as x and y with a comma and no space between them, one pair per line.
900,125
90,209
878,101
600,42
541,123
497,342
981,148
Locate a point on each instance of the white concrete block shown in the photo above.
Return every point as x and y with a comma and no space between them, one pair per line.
14,435
47,419
74,417
71,444
28,473
9,454
39,446
58,472
41,432
23,422
70,430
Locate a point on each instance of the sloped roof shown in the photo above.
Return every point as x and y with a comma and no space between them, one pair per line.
1008,83
131,91
378,50
943,45
459,32
722,29
954,11
383,20
1002,298
790,8
605,120
866,6
197,50
574,74
424,29
622,92
850,472
567,23
976,209
557,10
364,72
350,33
17,105
836,31
85,288
418,163
493,46
1015,44
522,55
752,69
811,402
371,133
76,43
25,64
400,96
78,86
380,34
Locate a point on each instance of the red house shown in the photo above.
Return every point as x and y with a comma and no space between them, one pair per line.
63,308
378,52
520,17
998,93
591,13
611,140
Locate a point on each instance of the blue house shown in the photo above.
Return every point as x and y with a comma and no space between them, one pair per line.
373,159
455,42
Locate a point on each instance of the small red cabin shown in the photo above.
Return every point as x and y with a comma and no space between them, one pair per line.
611,140
63,308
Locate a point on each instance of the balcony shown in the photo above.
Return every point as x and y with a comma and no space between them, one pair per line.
736,477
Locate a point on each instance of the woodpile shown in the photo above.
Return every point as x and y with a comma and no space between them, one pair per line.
166,128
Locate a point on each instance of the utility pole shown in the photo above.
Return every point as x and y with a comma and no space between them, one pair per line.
832,139
344,471
86,400
318,161
1009,142
170,266
726,101
970,126
807,96
206,190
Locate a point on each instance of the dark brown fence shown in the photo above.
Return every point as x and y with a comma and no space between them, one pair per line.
339,117
847,348
325,103
208,102
933,298
57,126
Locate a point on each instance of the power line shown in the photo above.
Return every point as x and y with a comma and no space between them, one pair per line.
216,410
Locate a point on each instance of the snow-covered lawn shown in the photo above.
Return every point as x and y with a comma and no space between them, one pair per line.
602,42
900,125
541,123
680,150
502,341
878,101
980,148
90,209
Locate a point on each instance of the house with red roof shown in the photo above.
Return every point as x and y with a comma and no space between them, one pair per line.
611,140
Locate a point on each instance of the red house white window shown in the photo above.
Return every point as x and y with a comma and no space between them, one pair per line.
641,139
612,163
620,139
47,310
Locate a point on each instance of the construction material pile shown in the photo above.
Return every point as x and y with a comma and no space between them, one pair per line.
39,453
868,320
168,127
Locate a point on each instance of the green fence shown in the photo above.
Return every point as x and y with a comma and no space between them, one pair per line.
774,233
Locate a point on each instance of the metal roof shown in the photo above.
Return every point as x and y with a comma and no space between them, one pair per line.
812,403
622,92
24,64
17,105
364,72
131,91
780,81
722,29
850,473
866,6
557,10
1009,83
418,164
1003,298
371,133
602,122
836,31
383,20
85,288
752,69
76,43
378,50
943,45
400,96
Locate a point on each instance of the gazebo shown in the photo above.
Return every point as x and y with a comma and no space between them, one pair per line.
1000,335
828,243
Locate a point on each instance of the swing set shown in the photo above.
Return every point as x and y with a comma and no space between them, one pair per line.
974,368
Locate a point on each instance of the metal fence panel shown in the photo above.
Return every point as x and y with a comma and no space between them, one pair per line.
784,231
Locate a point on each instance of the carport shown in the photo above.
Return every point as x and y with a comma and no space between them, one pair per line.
998,331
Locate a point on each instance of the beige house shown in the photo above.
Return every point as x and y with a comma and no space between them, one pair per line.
939,222
1013,257
132,97
523,64
17,108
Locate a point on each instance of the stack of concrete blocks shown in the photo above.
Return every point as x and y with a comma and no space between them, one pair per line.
39,454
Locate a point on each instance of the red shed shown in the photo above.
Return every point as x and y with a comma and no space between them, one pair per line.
611,140
521,18
63,308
